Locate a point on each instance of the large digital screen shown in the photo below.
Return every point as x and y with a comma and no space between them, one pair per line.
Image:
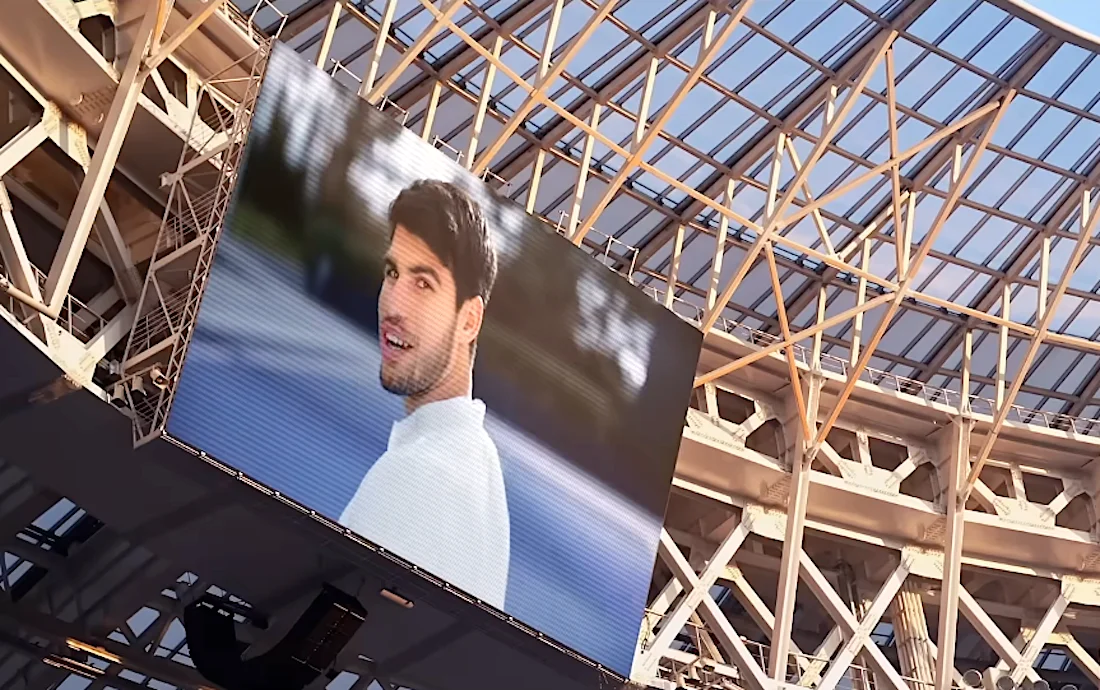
387,342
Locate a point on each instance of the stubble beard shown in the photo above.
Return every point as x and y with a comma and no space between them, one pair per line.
423,374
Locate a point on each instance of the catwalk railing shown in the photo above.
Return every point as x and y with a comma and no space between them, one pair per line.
75,317
879,378
247,22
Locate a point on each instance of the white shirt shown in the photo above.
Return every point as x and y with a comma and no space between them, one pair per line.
436,498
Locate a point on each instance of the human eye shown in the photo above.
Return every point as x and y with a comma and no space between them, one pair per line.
423,284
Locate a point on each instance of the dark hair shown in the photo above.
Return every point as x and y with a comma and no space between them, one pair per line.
452,225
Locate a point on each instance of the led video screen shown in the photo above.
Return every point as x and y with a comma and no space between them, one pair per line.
386,341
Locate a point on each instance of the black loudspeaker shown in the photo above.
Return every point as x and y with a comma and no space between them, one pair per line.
306,651
323,630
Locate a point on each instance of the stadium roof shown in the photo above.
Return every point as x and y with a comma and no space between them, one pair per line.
953,62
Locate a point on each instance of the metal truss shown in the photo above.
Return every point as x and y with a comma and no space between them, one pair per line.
77,333
91,330
715,551
949,160
803,231
832,103
198,198
67,580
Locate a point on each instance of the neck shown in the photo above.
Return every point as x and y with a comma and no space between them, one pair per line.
457,383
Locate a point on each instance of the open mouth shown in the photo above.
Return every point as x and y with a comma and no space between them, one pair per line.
395,342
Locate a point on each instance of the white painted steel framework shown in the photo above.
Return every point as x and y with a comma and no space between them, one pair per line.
882,213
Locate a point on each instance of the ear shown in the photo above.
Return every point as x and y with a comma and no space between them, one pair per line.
470,318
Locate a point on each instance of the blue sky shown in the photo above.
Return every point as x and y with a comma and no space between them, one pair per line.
1080,13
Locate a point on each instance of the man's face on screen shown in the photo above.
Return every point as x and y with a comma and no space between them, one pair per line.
417,317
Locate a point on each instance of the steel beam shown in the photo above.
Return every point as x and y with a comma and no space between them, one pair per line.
329,32
162,51
854,630
545,80
763,617
413,52
774,220
1040,637
1028,249
802,457
731,642
674,622
107,148
112,333
808,332
719,249
20,146
861,639
378,49
708,49
807,417
118,254
483,101
1082,657
16,619
461,56
992,634
960,176
303,17
614,83
957,462
1020,69
13,253
798,110
1089,218
1025,64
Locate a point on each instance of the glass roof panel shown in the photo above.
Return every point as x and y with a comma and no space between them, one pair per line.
951,58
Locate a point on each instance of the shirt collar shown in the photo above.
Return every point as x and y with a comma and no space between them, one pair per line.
435,417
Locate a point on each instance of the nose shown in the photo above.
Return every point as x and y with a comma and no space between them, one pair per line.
393,300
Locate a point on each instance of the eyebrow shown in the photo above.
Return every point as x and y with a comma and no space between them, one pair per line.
417,270
425,271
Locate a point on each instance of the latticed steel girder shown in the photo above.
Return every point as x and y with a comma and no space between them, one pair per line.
731,160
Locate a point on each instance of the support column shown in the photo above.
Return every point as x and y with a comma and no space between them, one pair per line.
911,635
849,590
674,267
330,31
582,172
536,179
379,49
955,469
483,101
429,113
802,457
